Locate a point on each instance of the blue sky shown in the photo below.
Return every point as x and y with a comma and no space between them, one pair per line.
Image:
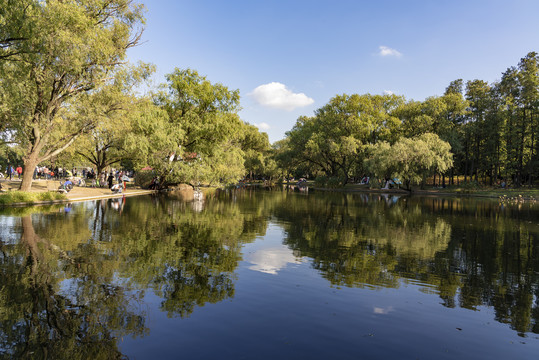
289,58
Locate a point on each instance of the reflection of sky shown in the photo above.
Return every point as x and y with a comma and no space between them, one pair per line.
270,256
9,230
271,260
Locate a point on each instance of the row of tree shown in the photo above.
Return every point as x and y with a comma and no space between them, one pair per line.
482,132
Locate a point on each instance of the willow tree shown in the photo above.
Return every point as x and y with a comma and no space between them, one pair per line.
118,132
202,143
334,140
51,53
411,160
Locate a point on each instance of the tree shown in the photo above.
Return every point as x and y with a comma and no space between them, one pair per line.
52,53
528,77
411,160
204,131
117,110
256,147
478,93
335,138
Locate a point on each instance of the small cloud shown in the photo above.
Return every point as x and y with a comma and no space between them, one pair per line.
262,126
388,92
387,51
278,96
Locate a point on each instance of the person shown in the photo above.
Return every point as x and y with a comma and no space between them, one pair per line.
154,184
102,179
9,171
67,186
124,180
110,179
19,171
117,188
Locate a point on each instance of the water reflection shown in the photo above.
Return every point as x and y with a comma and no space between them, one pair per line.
40,318
271,260
74,282
469,252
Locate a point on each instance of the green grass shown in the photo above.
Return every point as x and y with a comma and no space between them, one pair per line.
13,197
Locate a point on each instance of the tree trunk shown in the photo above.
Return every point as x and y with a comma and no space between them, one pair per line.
29,164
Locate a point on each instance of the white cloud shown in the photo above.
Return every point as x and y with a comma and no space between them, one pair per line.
263,126
388,92
387,51
278,96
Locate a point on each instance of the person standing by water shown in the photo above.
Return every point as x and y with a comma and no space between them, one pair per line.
110,179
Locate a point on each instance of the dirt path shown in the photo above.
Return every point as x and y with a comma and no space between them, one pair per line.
78,193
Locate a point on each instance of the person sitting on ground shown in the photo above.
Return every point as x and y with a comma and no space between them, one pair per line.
66,187
117,188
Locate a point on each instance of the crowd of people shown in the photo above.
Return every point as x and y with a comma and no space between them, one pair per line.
77,176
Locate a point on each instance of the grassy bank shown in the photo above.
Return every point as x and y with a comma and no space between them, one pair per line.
14,197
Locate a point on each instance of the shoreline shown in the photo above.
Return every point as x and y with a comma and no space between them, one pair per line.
80,199
506,194
78,194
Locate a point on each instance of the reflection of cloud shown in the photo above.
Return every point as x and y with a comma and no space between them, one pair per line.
378,310
278,96
271,260
387,51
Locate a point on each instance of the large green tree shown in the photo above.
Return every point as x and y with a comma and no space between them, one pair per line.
118,131
334,140
205,133
51,53
411,159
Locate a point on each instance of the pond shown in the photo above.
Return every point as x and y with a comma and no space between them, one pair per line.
251,274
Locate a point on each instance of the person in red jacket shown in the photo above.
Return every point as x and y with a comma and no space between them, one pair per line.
19,171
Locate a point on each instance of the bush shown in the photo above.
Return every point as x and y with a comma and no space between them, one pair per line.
468,186
331,182
144,178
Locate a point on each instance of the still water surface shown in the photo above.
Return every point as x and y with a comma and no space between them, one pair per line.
271,275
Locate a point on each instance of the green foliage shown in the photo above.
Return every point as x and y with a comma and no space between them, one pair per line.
205,140
52,54
144,178
333,142
492,129
329,182
411,160
15,197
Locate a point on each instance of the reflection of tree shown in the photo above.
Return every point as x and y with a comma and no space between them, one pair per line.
79,275
38,320
355,243
187,257
471,252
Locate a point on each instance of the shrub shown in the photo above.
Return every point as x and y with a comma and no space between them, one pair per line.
329,182
144,178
